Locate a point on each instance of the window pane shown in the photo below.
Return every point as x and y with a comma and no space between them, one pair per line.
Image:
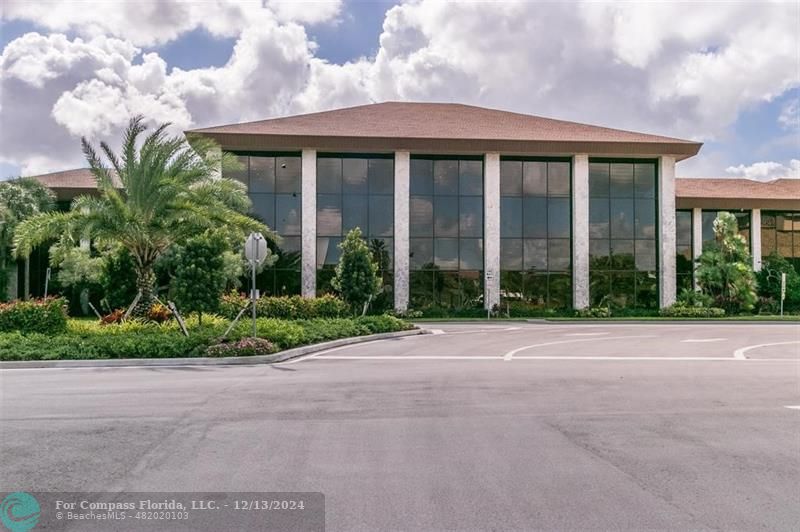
558,179
511,285
558,218
421,288
534,212
329,215
421,250
290,245
559,290
647,289
621,180
598,254
446,253
558,254
470,178
329,175
622,255
645,177
598,180
381,176
262,174
327,251
354,176
381,216
535,254
784,234
382,250
510,217
421,176
683,227
645,255
421,216
623,289
708,218
355,213
471,251
471,216
445,177
511,254
510,178
599,287
535,289
534,178
237,168
287,214
645,222
264,208
287,175
445,212
621,218
598,218
683,259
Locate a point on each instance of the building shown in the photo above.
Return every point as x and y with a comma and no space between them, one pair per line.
469,206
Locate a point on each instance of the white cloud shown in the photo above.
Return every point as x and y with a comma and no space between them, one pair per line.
766,171
790,115
669,68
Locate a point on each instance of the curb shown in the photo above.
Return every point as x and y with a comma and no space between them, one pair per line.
670,321
208,361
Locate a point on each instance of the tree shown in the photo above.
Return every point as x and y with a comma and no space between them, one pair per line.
159,191
769,281
19,199
725,270
356,277
118,278
199,279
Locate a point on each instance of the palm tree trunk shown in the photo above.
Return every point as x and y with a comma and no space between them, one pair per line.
145,283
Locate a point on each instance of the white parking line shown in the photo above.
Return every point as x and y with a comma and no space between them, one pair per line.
740,353
587,334
436,331
702,340
408,357
510,355
793,407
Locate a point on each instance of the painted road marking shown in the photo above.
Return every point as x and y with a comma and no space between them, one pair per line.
740,353
436,331
546,358
792,407
587,334
510,355
408,357
702,340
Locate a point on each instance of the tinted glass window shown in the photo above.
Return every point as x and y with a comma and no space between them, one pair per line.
262,174
354,176
287,175
445,177
329,175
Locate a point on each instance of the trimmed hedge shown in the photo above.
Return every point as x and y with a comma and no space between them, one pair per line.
45,316
678,311
85,339
285,307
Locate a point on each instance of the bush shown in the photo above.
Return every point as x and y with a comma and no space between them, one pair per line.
46,316
199,278
680,311
159,313
285,307
383,323
118,279
593,312
693,298
769,282
246,347
356,274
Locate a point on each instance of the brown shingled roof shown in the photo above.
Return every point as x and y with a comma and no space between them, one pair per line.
69,183
456,125
729,188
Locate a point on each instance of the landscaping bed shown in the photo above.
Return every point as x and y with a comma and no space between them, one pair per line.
88,339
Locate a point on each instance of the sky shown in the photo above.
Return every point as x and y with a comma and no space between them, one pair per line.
726,74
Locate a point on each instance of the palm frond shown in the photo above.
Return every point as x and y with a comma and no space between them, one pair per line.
40,228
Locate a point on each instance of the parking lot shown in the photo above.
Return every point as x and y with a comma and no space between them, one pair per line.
508,426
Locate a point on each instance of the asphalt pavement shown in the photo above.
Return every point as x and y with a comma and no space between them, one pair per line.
502,426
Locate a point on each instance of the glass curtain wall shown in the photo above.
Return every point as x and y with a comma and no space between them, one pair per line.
684,260
708,217
446,232
355,191
780,233
535,232
273,184
623,233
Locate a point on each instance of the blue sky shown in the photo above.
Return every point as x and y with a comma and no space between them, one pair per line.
81,72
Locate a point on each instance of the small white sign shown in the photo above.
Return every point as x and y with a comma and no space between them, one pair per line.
255,248
783,286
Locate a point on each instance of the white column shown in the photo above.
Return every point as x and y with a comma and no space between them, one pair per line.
666,214
755,238
580,231
309,223
402,170
491,230
697,240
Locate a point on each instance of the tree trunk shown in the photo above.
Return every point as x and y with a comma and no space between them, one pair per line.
145,283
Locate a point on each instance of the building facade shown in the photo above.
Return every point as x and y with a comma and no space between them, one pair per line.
466,206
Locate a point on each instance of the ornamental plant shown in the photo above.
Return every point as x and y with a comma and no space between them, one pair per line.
198,281
769,281
725,270
356,277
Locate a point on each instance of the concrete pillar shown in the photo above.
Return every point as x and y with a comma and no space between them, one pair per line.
580,231
697,241
402,172
755,238
666,215
309,223
491,230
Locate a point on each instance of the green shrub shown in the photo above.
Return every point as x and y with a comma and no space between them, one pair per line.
199,277
383,323
285,307
593,312
46,316
356,276
246,347
680,311
769,283
692,298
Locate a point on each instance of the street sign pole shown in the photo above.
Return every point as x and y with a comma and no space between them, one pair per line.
253,265
783,290
256,251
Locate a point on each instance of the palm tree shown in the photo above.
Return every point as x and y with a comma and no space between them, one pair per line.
152,196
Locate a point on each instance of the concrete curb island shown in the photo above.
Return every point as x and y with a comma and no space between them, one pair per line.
208,361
